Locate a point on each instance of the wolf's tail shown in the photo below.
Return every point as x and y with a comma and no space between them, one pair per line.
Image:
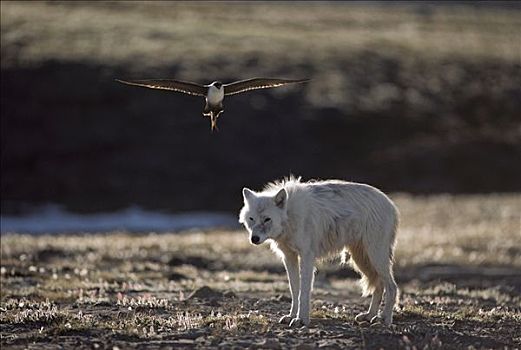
362,264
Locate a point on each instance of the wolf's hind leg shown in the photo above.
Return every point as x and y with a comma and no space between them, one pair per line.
371,281
391,293
381,260
376,299
291,263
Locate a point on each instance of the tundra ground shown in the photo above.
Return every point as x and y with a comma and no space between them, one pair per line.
458,264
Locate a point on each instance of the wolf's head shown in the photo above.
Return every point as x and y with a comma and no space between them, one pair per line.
263,214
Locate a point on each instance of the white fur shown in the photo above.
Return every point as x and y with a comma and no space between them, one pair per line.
312,220
215,95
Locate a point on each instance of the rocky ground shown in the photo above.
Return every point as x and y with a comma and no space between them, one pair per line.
457,265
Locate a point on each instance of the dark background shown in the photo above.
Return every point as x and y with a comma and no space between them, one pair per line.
417,98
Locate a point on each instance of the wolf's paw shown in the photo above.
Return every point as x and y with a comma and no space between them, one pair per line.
286,319
382,319
363,317
298,322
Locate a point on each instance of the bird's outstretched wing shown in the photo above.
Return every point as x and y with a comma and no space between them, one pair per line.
169,84
257,83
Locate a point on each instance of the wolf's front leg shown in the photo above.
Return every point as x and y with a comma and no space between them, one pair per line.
291,264
306,282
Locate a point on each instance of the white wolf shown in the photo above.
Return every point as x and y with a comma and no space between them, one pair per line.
307,221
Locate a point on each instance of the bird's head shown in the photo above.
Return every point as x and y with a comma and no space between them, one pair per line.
217,84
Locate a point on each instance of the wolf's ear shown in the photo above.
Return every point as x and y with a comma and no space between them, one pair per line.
248,194
280,198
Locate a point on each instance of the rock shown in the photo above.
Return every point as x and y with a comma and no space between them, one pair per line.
174,276
212,302
229,294
205,293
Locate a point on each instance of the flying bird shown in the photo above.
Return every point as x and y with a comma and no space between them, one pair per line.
213,93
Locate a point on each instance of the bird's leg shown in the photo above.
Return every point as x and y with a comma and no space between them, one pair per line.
213,119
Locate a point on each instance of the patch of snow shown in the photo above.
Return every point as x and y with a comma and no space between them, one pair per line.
53,219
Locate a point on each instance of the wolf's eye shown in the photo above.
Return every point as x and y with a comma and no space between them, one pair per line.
267,220
251,219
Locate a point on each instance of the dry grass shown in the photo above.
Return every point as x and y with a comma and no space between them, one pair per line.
161,34
83,289
462,230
